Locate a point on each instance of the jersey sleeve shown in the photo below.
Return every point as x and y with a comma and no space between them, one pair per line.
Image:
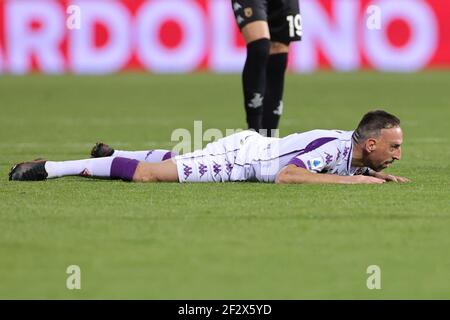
318,159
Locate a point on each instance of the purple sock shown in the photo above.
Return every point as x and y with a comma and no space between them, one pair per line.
123,168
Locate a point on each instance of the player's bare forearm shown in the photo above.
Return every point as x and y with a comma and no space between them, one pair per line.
292,174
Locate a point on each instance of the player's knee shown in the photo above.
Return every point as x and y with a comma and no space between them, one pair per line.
144,173
255,30
144,177
278,47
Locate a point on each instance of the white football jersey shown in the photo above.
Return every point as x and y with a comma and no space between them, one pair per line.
248,156
319,151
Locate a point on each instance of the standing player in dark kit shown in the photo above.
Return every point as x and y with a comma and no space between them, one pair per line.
268,27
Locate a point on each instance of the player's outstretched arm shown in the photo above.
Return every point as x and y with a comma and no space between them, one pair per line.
293,174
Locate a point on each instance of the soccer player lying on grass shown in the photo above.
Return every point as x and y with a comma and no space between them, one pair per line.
318,156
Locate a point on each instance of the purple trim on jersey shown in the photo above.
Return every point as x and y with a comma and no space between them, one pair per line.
123,168
313,145
169,155
299,163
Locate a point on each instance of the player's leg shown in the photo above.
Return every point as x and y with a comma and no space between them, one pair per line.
107,167
285,27
41,169
251,18
214,163
273,99
101,150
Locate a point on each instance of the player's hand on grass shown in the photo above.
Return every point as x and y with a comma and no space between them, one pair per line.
360,179
392,178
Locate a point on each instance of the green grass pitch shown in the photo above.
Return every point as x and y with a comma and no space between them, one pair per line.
220,241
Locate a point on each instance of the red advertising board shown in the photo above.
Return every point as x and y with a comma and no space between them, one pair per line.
106,36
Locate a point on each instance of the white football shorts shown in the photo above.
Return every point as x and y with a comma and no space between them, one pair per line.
220,161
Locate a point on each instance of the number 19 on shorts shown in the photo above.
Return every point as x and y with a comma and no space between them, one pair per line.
295,25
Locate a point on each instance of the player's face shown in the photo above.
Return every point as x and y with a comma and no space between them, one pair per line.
384,150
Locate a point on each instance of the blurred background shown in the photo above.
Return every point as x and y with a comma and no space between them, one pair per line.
177,36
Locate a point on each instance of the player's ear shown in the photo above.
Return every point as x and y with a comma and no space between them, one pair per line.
371,145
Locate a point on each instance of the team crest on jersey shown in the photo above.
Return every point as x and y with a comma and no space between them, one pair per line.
315,164
248,12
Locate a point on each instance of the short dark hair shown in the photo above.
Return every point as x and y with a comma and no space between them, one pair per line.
372,123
